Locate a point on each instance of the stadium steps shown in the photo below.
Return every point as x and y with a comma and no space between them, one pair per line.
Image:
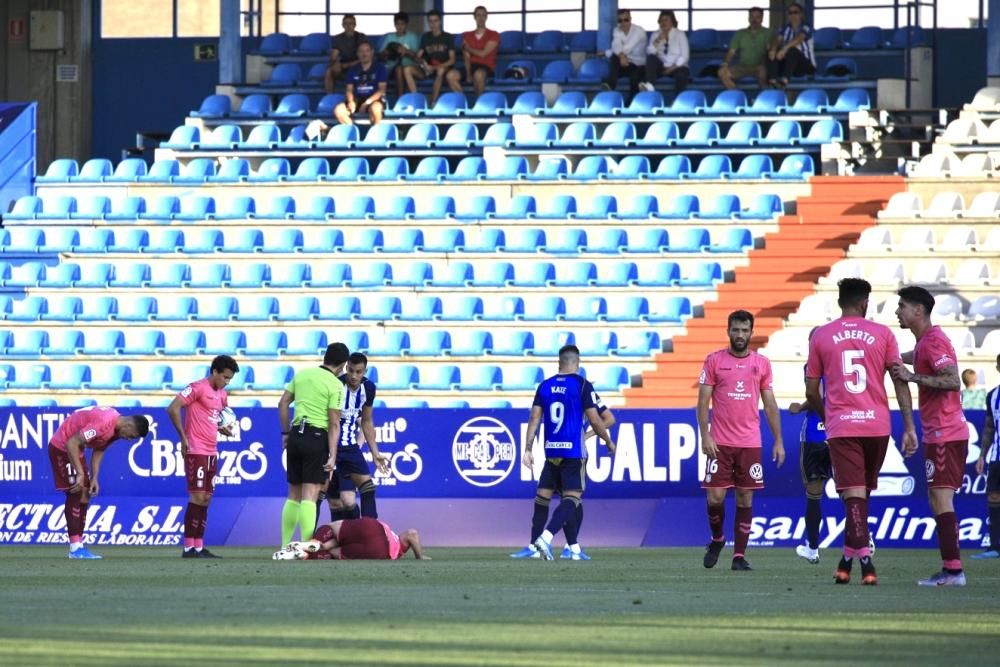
771,286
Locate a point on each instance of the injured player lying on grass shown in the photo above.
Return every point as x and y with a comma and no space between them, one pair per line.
354,539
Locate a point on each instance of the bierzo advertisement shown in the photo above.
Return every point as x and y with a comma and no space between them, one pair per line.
450,456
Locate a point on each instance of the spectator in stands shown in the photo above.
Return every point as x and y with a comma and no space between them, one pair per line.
667,54
435,57
973,397
344,54
791,50
365,88
479,51
627,54
749,48
399,49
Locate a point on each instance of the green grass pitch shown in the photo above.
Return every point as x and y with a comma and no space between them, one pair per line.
147,606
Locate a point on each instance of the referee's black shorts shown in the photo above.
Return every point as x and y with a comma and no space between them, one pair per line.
306,455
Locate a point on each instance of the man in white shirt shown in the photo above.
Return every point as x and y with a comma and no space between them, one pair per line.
627,54
667,54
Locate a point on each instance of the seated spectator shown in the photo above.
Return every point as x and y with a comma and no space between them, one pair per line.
973,397
667,54
399,49
435,57
791,50
479,53
627,54
365,88
749,48
344,54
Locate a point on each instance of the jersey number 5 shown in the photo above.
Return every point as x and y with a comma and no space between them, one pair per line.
853,369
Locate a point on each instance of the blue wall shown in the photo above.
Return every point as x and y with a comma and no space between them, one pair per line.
145,85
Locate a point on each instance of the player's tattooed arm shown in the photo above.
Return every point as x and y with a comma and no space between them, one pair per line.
529,437
946,379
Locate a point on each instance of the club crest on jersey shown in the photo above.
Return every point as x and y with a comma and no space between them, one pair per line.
484,451
739,386
89,434
756,472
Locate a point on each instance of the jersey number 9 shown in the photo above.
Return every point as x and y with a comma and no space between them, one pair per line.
557,412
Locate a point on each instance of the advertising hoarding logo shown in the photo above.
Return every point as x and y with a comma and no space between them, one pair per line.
484,451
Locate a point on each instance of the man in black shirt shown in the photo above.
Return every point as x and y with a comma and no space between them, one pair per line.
344,54
435,57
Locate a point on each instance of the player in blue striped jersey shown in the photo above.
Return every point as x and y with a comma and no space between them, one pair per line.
814,463
989,461
352,470
562,402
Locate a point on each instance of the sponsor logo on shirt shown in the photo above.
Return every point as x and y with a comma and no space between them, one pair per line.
89,434
187,391
558,445
757,472
858,415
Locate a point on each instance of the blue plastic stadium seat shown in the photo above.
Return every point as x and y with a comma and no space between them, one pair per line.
764,207
516,72
297,309
422,136
617,274
131,275
593,70
349,169
309,170
732,239
559,207
712,167
511,41
356,208
59,207
409,105
237,240
599,207
909,36
322,240
661,133
547,41
671,167
704,39
158,241
363,241
768,102
283,75
25,342
267,342
852,99
475,208
433,168
583,40
488,105
498,134
62,275
569,103
223,137
692,240
315,43
530,102
781,133
389,169
232,170
213,106
480,377
274,44
255,275
128,170
605,103
753,167
344,136
198,170
59,171
705,274
576,136
183,137
261,138
639,207
722,207
687,103
510,168
868,37
460,135
35,376
70,376
741,134
256,105
644,103
413,274
556,71
67,342
826,39
661,274
452,274
379,136
728,102
438,207
795,167
326,105
537,135
616,135
94,170
811,100
142,341
591,168
700,133
823,132
168,275
256,308
840,68
271,170
448,105
674,309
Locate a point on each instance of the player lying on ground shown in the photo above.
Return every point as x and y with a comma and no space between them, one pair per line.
354,539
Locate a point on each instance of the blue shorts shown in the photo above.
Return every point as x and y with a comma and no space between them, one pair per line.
562,474
814,461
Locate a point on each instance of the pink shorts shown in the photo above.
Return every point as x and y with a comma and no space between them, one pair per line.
856,461
734,466
200,472
945,463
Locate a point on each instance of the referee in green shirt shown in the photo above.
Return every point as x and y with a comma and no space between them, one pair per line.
310,440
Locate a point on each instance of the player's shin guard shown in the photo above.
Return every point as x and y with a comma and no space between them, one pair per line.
995,526
539,517
856,527
572,527
565,512
947,525
716,516
814,516
289,519
76,516
741,530
367,491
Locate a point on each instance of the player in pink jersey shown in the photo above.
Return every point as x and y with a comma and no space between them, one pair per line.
945,431
202,401
735,380
851,355
94,429
364,538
